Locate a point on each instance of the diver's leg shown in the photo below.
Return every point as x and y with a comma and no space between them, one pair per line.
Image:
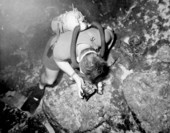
47,78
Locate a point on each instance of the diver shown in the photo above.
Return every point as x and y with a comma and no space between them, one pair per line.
76,45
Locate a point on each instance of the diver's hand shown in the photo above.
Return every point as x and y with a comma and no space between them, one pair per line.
67,68
80,84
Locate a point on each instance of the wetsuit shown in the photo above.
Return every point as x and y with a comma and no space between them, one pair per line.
61,50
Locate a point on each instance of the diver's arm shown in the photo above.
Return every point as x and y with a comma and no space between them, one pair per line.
66,67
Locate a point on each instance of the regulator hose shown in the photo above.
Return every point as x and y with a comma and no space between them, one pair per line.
74,62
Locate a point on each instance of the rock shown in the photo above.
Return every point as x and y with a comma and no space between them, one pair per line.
68,113
163,54
148,95
14,99
14,120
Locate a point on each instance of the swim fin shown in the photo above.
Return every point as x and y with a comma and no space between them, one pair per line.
33,100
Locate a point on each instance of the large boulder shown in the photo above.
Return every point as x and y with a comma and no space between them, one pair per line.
148,95
67,112
148,92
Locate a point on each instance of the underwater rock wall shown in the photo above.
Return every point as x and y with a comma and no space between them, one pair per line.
147,89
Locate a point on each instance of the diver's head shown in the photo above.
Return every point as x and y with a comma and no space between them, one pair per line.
92,65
